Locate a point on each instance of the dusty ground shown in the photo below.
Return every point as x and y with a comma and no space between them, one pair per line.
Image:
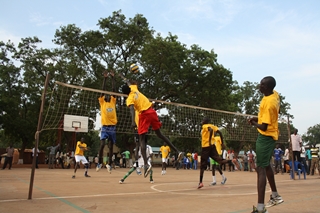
55,191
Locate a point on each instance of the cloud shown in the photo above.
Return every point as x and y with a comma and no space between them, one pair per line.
39,20
6,36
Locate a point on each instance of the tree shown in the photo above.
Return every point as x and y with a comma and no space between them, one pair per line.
312,136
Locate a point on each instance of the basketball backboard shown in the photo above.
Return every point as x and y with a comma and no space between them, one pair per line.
75,123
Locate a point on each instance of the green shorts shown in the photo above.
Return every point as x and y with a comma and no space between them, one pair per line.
213,162
264,149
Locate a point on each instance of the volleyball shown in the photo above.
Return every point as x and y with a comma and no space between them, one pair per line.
134,68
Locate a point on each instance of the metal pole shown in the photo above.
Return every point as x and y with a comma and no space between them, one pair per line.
291,151
37,136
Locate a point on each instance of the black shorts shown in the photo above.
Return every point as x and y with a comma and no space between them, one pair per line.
211,152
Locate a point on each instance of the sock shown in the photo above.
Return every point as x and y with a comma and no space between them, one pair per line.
214,178
260,206
137,165
223,176
85,172
274,194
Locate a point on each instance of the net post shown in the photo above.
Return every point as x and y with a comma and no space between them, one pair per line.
37,136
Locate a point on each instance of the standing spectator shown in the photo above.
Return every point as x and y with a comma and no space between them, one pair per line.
33,153
267,126
277,159
303,158
251,160
245,162
9,157
315,159
230,158
195,161
126,155
165,151
52,154
224,157
296,142
286,160
308,159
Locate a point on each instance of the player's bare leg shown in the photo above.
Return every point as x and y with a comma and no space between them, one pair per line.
102,144
75,169
109,163
143,148
168,142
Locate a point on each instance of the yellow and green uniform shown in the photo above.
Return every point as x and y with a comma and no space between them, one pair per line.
268,114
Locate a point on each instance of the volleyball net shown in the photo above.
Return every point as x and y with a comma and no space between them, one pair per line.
178,120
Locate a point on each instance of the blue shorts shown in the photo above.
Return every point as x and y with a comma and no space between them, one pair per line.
108,133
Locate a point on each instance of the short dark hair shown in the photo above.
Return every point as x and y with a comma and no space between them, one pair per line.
271,82
126,89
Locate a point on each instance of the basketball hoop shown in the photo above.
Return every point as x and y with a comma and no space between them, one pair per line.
76,129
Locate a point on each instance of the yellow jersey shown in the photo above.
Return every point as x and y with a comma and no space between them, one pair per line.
108,111
205,133
165,150
268,114
218,142
78,150
138,100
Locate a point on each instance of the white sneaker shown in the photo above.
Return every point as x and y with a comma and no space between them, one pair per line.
165,172
98,167
108,168
151,181
121,181
162,172
138,171
274,201
223,181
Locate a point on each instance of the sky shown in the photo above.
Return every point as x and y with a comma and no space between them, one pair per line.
252,38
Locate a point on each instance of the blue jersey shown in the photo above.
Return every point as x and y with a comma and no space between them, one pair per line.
277,153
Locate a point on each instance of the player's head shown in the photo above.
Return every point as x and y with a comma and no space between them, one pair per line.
267,84
205,120
295,131
126,89
82,140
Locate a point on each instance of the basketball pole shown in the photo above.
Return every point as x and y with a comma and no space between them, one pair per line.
37,136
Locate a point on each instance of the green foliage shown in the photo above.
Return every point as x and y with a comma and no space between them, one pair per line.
313,135
170,71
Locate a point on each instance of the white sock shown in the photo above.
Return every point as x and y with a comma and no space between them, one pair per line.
214,178
274,194
260,206
223,176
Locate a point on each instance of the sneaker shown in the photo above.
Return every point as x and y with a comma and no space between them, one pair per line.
180,156
86,175
212,184
165,172
98,167
162,172
200,185
151,181
224,181
73,176
255,210
121,181
108,168
138,171
274,201
147,169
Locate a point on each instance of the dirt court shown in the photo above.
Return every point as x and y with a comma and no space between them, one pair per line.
55,191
